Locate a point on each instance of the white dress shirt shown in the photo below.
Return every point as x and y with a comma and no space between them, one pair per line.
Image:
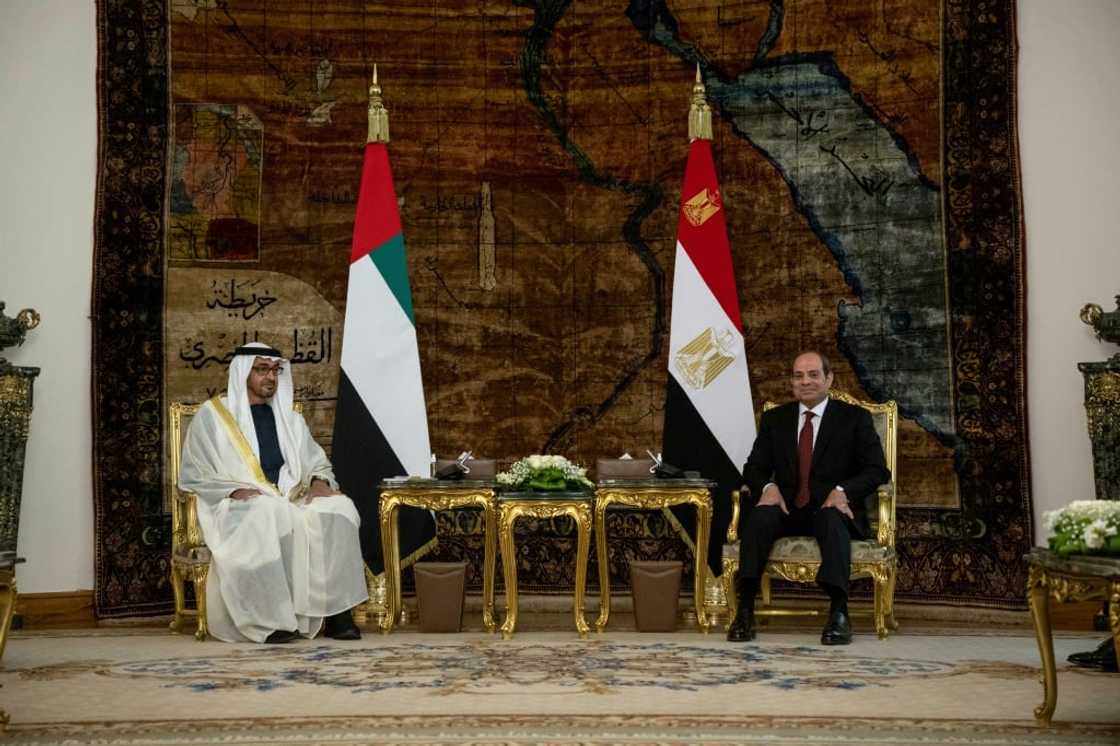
818,411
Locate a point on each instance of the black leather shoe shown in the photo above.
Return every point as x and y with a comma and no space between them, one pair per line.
341,627
1102,657
281,636
838,631
742,627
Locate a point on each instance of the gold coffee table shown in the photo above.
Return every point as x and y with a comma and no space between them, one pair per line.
514,505
1077,578
653,494
431,494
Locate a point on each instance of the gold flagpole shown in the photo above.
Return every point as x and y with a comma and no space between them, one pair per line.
376,585
699,113
715,600
378,114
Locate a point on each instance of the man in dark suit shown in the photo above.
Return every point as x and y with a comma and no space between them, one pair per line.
812,466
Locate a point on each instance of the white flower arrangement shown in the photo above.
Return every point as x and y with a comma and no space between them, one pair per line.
1085,527
539,472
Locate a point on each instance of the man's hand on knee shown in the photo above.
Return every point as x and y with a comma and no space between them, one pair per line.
771,495
243,494
319,488
837,499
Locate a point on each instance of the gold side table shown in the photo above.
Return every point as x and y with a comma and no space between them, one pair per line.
514,505
1077,578
431,494
653,494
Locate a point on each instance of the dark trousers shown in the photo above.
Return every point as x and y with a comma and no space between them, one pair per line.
765,524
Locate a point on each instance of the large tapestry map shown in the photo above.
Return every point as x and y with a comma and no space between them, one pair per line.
868,164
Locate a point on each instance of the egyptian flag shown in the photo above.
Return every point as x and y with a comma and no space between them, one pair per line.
381,424
709,417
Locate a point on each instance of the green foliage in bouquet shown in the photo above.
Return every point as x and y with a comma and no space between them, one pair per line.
1085,527
545,474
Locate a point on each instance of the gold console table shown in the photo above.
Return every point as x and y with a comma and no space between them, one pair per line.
514,505
1077,578
431,494
653,494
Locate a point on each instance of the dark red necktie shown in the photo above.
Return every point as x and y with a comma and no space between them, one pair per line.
804,460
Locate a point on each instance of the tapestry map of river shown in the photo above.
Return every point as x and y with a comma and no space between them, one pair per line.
868,162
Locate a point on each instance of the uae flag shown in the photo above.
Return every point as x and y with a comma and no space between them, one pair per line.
381,424
709,417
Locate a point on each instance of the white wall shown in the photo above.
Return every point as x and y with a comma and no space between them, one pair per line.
1069,75
1069,67
48,141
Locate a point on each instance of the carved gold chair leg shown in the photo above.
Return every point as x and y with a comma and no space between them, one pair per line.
200,573
180,597
765,585
892,579
377,605
715,601
881,589
730,572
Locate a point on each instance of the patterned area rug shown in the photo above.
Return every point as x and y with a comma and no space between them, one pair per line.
131,687
868,163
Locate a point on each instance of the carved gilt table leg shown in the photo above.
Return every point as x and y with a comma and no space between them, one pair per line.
603,556
489,565
391,559
506,518
1039,596
582,515
703,528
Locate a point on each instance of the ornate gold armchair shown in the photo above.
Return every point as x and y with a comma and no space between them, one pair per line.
190,557
797,558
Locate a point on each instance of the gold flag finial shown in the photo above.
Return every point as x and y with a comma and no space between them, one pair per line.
378,114
699,114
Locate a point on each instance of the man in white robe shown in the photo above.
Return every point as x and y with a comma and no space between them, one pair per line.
283,540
